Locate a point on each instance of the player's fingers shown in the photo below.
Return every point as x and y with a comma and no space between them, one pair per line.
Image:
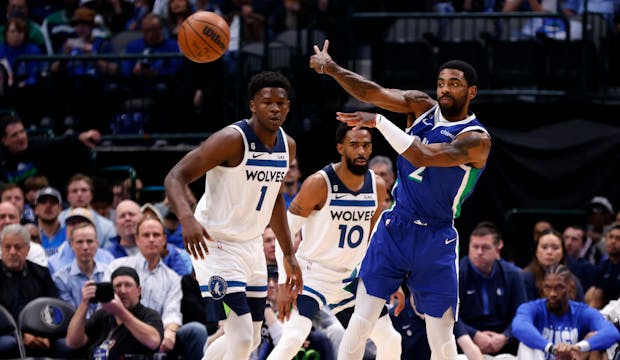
325,45
203,245
198,250
316,49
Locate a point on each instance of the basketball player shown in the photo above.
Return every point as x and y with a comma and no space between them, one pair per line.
335,209
245,164
441,156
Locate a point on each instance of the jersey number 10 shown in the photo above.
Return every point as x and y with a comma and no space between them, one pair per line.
352,236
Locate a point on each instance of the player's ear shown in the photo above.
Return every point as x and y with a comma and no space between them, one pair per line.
339,147
252,106
472,92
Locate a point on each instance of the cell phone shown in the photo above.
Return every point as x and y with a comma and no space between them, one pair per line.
104,293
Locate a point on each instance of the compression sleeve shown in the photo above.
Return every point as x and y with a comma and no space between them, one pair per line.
398,139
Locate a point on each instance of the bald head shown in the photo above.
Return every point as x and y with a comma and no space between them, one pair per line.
8,214
127,216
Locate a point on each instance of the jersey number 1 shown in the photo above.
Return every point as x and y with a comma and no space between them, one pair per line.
263,191
349,235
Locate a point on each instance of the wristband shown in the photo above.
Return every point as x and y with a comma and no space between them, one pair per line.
549,348
583,346
398,139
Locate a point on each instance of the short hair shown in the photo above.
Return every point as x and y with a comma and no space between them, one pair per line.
81,177
15,229
36,182
470,74
10,186
145,218
83,225
7,120
267,79
381,159
20,24
343,129
487,228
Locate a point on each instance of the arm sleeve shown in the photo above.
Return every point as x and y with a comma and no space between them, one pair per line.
606,334
523,326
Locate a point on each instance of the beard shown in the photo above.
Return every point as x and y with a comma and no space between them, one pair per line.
357,169
452,110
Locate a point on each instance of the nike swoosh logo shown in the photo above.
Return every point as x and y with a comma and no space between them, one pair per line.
254,156
340,196
469,292
448,241
405,327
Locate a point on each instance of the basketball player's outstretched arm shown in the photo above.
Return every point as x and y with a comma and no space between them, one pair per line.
225,147
469,148
395,100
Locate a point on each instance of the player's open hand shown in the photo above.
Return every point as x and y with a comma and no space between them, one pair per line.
357,119
294,279
321,58
194,236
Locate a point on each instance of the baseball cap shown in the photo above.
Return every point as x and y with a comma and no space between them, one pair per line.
152,208
82,213
48,191
125,270
601,202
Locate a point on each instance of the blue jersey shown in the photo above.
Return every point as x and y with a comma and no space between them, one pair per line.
536,327
435,192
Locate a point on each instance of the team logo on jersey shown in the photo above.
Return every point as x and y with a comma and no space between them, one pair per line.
447,133
217,287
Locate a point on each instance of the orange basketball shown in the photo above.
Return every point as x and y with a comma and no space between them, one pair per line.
203,37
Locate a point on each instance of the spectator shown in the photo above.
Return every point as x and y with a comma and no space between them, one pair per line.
383,166
490,291
269,247
599,219
607,279
31,186
65,254
71,278
9,215
84,43
14,194
21,158
15,43
80,194
549,251
556,325
122,327
178,11
19,9
115,13
292,182
128,215
20,282
162,291
154,41
574,240
47,208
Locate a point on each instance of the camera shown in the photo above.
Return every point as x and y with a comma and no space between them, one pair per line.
104,293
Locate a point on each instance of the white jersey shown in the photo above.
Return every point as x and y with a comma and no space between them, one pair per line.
336,236
238,201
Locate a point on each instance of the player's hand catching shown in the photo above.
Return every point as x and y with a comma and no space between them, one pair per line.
357,119
321,58
294,280
194,236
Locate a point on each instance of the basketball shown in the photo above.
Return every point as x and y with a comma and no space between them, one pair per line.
203,37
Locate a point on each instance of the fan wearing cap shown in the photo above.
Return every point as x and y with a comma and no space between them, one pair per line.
122,327
85,43
48,205
600,216
66,255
